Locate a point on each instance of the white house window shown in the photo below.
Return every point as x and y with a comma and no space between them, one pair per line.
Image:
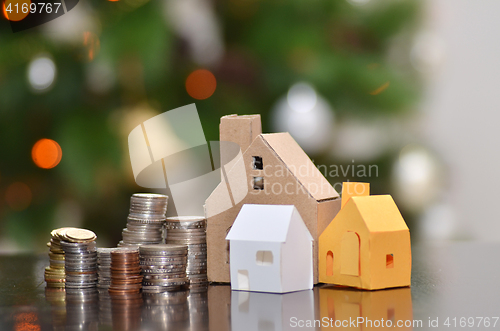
257,163
258,183
264,258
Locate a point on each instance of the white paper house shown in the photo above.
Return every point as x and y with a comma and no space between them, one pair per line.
271,250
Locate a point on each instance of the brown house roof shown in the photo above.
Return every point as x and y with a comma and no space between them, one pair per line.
300,165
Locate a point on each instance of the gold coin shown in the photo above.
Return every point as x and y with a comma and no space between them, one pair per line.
79,235
59,233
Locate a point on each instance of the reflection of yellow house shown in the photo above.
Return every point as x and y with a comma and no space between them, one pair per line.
367,245
341,304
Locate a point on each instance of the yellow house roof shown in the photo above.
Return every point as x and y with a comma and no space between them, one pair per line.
300,165
379,212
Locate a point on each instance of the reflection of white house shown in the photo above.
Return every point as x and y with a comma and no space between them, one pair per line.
270,250
252,311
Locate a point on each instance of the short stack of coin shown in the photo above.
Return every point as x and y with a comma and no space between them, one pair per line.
163,267
146,219
104,267
54,273
191,231
126,275
80,258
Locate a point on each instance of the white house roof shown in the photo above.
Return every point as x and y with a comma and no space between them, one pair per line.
267,223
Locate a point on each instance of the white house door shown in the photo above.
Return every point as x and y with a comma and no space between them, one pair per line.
349,260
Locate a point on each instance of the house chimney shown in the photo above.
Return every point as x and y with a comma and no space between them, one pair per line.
353,189
240,129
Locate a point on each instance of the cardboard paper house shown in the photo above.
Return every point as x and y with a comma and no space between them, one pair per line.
271,250
252,311
367,245
339,304
273,170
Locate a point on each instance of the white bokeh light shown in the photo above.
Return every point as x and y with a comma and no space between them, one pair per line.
41,73
417,177
306,116
358,2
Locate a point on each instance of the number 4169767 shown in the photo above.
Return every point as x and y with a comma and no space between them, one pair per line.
40,7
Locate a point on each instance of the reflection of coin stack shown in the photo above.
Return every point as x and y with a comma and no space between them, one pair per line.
57,299
125,272
105,311
80,258
104,267
198,310
126,311
81,309
54,273
145,220
166,311
191,231
163,267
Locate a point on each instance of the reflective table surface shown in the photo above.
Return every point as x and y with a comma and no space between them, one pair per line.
454,286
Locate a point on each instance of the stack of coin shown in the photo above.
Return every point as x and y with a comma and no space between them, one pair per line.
104,267
54,273
163,267
146,219
191,231
126,275
80,258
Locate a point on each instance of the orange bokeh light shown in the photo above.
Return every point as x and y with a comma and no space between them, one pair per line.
16,12
91,44
46,153
201,84
27,322
18,196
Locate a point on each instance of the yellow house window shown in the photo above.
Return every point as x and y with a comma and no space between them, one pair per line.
329,263
389,261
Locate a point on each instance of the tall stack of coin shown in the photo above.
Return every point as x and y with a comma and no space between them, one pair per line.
145,220
163,267
191,231
80,258
104,267
126,275
54,273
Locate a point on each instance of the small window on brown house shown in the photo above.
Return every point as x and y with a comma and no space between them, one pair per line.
258,183
257,163
389,261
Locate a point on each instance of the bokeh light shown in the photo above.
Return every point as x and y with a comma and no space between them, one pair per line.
307,116
18,196
46,153
16,13
201,84
41,73
380,89
91,44
417,177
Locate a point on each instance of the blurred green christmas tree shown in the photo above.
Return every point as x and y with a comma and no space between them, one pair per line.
115,64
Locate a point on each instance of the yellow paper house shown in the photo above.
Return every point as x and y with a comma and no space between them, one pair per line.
367,245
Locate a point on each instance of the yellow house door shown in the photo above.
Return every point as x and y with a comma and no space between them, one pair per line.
349,260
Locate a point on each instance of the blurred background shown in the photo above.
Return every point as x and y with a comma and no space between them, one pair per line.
405,86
